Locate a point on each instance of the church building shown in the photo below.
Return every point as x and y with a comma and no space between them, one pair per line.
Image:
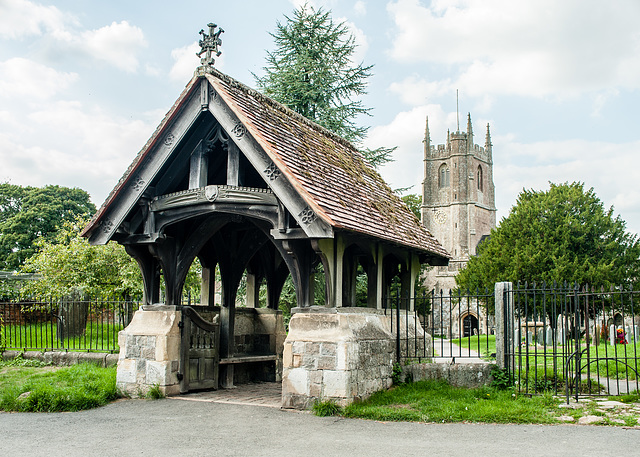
458,207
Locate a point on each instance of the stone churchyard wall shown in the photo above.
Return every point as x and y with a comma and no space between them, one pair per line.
458,375
337,354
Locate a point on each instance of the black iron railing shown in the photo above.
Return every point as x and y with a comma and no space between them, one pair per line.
452,325
68,324
574,340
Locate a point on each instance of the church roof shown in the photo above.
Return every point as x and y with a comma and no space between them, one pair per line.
328,172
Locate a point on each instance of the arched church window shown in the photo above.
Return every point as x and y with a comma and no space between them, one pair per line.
443,176
479,178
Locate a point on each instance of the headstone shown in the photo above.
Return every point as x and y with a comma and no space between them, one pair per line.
529,337
560,333
635,333
596,335
517,337
540,336
549,336
627,334
612,334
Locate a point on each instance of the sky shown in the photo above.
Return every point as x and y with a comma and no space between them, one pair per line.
83,84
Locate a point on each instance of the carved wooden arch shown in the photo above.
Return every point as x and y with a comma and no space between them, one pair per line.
356,253
269,265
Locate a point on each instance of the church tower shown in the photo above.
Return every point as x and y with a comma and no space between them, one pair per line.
458,199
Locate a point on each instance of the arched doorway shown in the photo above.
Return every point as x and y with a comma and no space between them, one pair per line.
469,323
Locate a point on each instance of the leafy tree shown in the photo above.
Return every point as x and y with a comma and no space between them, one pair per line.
69,264
563,234
30,213
414,202
312,72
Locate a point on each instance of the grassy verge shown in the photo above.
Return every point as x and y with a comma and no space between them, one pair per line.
436,401
29,386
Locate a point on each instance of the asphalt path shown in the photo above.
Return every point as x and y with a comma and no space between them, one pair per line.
175,427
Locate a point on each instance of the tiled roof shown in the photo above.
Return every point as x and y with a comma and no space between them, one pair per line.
330,172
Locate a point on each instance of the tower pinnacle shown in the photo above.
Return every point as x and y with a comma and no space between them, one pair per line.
427,137
487,141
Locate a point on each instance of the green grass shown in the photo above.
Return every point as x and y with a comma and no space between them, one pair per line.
97,337
623,359
50,389
485,345
326,408
436,401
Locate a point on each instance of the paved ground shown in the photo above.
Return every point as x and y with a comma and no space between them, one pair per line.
229,423
260,394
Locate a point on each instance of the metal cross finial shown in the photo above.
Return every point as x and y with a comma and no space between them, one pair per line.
209,45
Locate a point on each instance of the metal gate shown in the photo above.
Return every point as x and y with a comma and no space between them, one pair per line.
572,340
199,352
444,326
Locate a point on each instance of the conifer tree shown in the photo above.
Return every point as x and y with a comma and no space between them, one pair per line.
312,72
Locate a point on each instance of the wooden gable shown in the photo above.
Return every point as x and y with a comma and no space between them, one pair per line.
202,159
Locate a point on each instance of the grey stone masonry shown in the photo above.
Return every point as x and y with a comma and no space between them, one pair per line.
338,354
150,351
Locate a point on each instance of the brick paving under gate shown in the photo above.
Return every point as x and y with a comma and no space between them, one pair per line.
267,394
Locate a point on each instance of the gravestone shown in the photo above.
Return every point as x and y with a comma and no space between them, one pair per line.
596,335
612,334
549,336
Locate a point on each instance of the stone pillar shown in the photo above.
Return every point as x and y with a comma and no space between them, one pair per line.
253,291
150,351
504,324
338,354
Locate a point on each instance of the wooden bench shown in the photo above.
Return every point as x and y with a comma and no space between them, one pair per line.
248,359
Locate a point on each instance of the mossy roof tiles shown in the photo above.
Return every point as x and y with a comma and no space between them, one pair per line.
335,179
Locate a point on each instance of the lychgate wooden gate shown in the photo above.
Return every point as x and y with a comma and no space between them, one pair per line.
199,352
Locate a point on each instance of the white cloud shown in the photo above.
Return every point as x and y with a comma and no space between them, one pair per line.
611,169
414,90
359,39
185,62
118,44
20,18
70,144
529,47
360,8
58,33
406,131
22,77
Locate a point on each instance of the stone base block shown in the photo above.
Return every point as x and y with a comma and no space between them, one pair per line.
150,352
333,354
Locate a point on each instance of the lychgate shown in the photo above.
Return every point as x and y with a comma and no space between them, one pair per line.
251,188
